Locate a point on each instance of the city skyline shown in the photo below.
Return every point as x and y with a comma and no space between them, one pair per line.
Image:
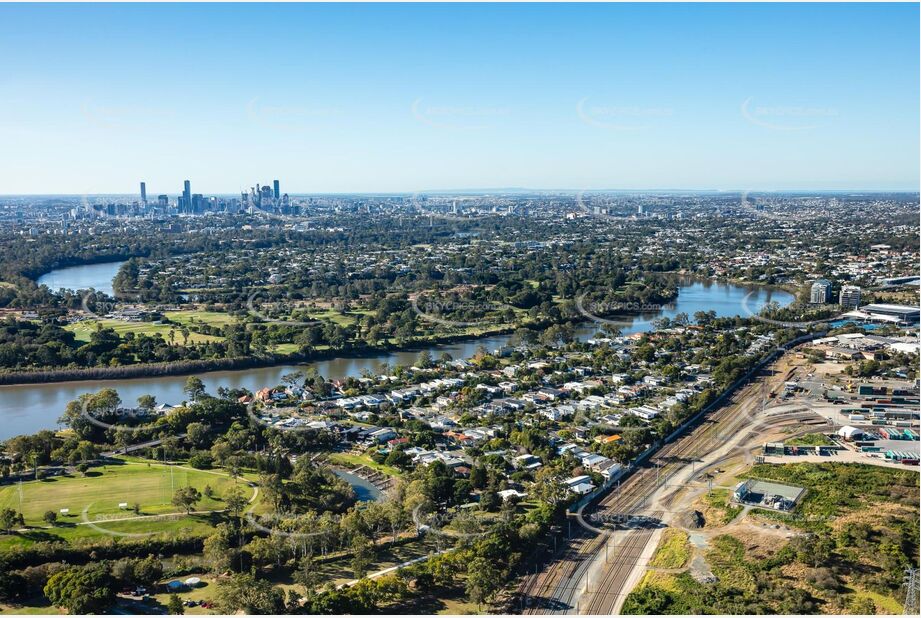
400,99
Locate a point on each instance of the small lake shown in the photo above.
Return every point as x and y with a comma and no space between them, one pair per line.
30,407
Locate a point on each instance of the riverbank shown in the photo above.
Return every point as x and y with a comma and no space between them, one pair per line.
789,288
31,401
190,367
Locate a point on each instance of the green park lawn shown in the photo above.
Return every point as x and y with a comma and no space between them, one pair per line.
211,318
334,316
83,330
71,529
286,348
99,494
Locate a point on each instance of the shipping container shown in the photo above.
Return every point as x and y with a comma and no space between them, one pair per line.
856,417
902,424
869,449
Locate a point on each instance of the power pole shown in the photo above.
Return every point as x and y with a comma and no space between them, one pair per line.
911,592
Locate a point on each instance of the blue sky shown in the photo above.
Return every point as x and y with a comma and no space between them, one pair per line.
391,98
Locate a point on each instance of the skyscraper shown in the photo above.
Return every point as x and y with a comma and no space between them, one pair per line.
849,298
186,205
143,193
820,293
277,193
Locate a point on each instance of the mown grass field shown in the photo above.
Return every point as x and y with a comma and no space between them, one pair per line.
152,485
334,316
211,318
72,530
83,330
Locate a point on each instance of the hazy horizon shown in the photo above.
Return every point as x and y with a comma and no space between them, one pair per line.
502,190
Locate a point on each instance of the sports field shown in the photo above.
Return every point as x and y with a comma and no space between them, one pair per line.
83,330
151,485
212,318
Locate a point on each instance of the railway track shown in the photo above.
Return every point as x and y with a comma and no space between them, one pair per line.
560,586
601,595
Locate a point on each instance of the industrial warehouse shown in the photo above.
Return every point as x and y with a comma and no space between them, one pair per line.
766,494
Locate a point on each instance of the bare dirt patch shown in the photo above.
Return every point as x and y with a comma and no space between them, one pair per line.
759,542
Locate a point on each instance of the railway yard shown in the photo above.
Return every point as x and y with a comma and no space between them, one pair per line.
612,541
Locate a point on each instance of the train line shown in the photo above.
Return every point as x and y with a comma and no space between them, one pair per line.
562,585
